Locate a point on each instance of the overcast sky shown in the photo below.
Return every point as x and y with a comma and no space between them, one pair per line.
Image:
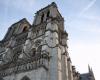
82,22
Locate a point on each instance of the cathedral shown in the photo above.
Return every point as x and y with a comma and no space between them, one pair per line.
38,51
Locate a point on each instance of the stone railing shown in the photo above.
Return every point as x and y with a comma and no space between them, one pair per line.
31,65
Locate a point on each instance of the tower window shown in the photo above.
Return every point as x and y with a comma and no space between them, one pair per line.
42,17
48,14
25,29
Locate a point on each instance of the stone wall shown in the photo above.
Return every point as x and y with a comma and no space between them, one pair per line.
38,74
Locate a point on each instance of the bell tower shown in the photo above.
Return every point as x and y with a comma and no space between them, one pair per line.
48,13
54,41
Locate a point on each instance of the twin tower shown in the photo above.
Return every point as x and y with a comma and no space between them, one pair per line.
38,51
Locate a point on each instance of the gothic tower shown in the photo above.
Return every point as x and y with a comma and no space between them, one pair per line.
54,41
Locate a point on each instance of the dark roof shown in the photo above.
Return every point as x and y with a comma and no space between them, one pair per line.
84,76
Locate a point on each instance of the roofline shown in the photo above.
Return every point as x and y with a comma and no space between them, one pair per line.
20,21
52,4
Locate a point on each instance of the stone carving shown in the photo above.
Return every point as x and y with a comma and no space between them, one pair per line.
38,42
11,42
30,34
27,48
31,50
20,56
45,48
7,55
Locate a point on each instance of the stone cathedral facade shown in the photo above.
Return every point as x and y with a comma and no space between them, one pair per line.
38,51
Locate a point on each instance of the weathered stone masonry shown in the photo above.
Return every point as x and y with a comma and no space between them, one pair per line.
38,51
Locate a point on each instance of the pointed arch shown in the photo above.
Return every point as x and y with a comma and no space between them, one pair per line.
25,28
48,14
42,18
25,78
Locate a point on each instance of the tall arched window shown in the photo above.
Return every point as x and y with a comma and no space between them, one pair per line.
48,14
25,78
42,17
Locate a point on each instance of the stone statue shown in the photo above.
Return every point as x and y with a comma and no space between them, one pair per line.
28,45
30,34
7,55
11,42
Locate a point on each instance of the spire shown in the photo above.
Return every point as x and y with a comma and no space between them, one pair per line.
89,68
91,72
